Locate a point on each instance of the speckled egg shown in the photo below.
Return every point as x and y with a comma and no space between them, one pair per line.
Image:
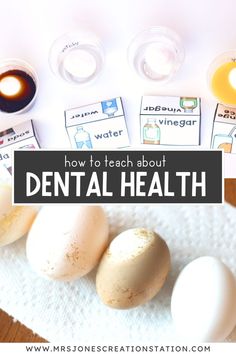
133,269
15,221
67,242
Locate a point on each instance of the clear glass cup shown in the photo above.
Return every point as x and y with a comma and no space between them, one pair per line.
156,54
18,86
77,57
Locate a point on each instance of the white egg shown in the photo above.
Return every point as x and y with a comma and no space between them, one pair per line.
15,221
203,303
67,242
159,59
80,63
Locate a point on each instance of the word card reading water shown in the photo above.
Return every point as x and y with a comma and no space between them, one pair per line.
170,120
97,126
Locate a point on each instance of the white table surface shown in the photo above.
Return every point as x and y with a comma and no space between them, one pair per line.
28,28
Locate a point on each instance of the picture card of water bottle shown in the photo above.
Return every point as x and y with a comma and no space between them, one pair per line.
224,129
166,120
97,126
21,136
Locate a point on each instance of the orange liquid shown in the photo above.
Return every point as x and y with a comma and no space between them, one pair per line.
221,86
226,147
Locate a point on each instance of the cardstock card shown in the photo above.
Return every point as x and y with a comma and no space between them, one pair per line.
170,120
224,129
21,136
97,126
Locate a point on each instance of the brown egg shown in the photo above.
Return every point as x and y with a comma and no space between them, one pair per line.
133,269
15,220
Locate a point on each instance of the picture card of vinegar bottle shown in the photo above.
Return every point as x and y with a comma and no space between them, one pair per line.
169,120
151,132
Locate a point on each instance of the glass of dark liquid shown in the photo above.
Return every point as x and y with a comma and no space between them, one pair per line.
18,86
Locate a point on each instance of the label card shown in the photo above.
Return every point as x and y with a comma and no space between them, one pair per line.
97,126
170,120
21,136
224,129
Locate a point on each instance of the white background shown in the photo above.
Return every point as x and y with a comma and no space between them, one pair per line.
28,29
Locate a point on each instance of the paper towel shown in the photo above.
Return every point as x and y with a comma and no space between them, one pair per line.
72,312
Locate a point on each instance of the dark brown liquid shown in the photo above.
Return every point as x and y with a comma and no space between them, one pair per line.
11,104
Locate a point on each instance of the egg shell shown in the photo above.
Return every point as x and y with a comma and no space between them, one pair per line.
15,221
67,242
133,269
203,303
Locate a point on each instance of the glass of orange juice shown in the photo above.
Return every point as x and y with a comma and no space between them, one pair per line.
222,78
